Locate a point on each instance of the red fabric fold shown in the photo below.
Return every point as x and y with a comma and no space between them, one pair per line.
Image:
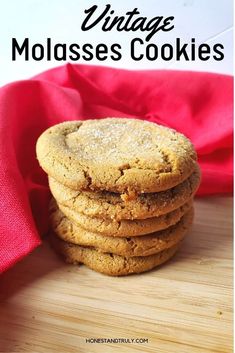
200,105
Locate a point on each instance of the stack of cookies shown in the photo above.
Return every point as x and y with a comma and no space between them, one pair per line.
122,192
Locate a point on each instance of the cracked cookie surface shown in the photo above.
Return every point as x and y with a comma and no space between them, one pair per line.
107,263
111,205
129,246
127,156
125,227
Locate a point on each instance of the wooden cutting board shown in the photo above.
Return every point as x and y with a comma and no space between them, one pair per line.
185,306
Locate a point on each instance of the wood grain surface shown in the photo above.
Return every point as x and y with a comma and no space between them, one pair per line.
184,306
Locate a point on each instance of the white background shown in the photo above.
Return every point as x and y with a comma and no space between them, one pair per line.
209,21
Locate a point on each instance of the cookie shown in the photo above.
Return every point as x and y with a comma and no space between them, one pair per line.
125,227
107,263
111,205
133,246
127,156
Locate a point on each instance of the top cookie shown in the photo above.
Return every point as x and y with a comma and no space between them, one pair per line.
116,154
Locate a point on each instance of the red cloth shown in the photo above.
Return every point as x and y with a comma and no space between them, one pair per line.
198,104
